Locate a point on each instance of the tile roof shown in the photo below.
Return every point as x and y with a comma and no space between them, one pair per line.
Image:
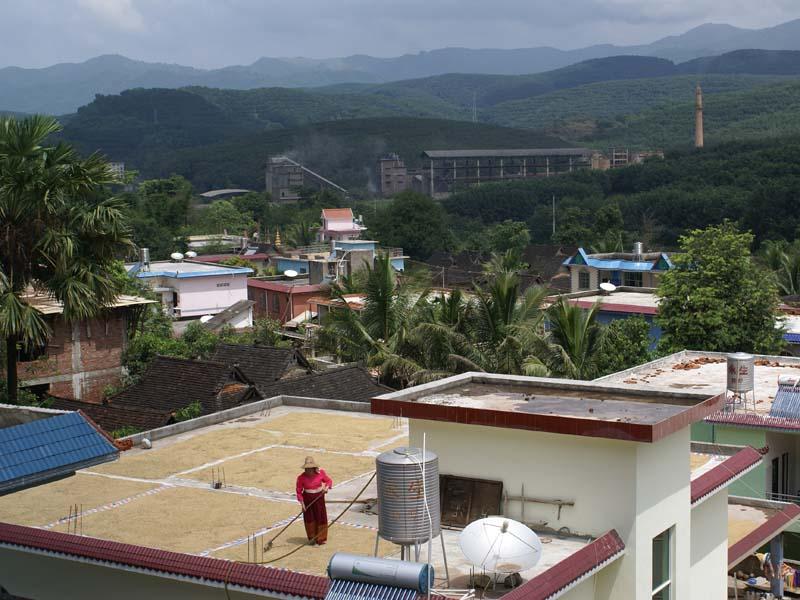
762,534
263,365
34,452
564,575
337,213
724,473
112,416
170,384
342,383
747,420
201,568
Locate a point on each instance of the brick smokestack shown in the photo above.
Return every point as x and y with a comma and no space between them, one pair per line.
698,117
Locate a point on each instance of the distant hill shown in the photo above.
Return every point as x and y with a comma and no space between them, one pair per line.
62,88
345,151
756,62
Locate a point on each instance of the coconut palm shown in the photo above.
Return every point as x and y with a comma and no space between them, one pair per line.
784,261
57,234
574,340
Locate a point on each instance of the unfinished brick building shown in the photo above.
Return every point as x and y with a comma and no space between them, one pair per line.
80,359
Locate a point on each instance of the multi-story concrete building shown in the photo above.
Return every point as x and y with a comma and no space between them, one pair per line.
340,224
446,171
637,269
286,177
80,358
393,175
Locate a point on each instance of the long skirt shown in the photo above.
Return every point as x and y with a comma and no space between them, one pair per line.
315,517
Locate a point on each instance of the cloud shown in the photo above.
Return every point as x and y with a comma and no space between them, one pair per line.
121,14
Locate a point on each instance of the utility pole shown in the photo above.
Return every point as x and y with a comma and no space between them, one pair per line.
554,214
474,107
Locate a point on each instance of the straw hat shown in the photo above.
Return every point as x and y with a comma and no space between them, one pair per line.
310,463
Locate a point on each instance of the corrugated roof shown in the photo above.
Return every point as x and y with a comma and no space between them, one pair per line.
724,474
508,152
47,305
199,568
47,448
337,213
564,575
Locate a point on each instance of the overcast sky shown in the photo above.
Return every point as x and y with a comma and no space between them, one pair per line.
214,33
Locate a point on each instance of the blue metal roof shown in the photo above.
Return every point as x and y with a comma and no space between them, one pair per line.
137,272
792,338
48,448
609,264
786,403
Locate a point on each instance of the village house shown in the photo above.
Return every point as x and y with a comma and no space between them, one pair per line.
630,269
80,359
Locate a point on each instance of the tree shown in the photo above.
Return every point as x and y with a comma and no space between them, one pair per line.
626,343
509,235
574,341
222,217
414,222
716,298
59,234
784,261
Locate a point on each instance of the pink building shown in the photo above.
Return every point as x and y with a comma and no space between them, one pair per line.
339,224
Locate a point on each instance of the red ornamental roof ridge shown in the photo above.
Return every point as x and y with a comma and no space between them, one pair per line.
271,579
724,473
563,575
754,420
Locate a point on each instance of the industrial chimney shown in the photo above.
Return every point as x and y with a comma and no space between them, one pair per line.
698,117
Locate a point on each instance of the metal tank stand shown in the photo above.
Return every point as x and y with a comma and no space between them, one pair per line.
405,554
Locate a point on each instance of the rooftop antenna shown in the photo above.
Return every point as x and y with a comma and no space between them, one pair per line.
607,287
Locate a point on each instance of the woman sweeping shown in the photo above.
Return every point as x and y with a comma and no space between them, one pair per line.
312,485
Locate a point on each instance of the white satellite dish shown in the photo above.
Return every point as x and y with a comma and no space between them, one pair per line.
176,256
206,318
291,273
191,254
608,287
500,545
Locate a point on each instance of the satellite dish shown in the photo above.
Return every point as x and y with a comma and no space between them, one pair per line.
191,254
608,287
500,545
176,256
206,318
291,273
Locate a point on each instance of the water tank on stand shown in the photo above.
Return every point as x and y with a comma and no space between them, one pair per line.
403,517
741,382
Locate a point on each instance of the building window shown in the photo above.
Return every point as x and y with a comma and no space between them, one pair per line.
632,279
276,303
662,566
583,280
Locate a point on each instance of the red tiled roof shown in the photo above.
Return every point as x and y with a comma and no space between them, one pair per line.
556,580
337,213
259,577
287,286
724,473
762,534
754,420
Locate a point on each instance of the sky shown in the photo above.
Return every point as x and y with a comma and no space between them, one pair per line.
216,33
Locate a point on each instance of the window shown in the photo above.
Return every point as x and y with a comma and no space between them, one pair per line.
276,303
662,566
583,280
632,279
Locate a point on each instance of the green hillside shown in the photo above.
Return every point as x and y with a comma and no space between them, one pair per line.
762,112
344,151
575,111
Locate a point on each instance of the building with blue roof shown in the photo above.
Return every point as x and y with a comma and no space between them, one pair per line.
37,446
193,289
635,269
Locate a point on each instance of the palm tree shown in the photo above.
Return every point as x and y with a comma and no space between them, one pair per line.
784,261
57,234
573,342
301,234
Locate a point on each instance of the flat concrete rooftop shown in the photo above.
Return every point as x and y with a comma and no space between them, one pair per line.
163,497
554,405
633,302
704,372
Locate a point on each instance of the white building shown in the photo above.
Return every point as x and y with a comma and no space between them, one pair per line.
195,289
339,224
604,462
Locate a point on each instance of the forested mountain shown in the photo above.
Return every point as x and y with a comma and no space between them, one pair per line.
754,62
62,88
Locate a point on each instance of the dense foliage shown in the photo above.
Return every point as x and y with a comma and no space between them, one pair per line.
413,222
716,298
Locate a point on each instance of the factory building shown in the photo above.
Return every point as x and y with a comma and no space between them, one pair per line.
285,178
447,171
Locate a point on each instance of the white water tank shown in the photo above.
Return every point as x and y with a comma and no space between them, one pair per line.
403,517
741,372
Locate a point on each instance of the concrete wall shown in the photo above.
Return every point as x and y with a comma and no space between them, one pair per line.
583,591
22,574
198,296
709,548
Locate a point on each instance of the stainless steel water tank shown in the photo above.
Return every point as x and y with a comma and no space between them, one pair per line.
741,372
638,250
402,517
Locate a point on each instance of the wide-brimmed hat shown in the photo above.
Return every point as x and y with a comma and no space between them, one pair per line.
310,463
